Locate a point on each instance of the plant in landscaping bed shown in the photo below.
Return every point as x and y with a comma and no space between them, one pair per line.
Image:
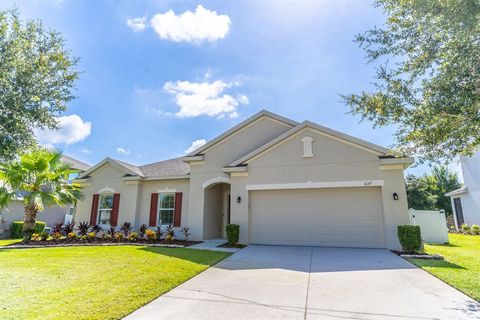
142,230
44,236
465,228
71,236
133,236
69,227
96,229
83,228
170,233
36,237
475,229
410,238
151,236
186,233
57,227
233,233
91,236
453,229
126,227
56,236
118,236
159,233
17,226
111,232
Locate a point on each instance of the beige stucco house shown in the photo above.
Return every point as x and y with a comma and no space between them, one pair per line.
282,181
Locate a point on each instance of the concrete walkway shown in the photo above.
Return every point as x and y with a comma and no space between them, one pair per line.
275,282
213,245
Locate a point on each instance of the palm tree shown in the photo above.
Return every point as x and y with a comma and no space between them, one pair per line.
42,179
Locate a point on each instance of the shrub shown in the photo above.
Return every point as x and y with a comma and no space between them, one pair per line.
186,233
96,229
69,228
118,236
142,230
475,229
44,236
126,227
36,237
133,236
159,233
56,236
91,236
57,227
71,235
17,226
111,232
150,235
83,228
410,238
465,228
233,233
169,233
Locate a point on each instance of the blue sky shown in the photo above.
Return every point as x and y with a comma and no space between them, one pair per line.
159,75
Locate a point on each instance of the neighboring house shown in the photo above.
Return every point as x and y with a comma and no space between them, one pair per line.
466,200
51,215
282,181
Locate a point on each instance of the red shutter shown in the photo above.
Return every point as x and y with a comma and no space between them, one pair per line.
93,213
116,203
177,216
153,210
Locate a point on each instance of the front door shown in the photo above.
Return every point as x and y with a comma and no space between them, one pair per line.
458,211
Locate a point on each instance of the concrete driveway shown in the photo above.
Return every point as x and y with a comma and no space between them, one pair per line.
279,282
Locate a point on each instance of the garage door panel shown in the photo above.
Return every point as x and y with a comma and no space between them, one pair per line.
348,217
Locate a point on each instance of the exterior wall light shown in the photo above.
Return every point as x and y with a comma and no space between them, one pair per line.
239,199
395,196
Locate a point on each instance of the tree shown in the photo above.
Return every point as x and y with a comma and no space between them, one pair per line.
428,191
42,179
37,75
427,77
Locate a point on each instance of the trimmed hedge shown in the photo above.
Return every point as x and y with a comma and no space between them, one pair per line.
233,233
17,226
410,238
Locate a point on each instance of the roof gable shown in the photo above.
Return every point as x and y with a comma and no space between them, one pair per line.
128,169
241,126
367,146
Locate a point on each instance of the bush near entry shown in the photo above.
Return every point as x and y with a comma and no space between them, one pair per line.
410,238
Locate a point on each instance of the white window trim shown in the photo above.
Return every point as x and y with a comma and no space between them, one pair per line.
100,209
106,190
159,208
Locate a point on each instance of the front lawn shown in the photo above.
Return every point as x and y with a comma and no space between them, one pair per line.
461,268
5,242
92,282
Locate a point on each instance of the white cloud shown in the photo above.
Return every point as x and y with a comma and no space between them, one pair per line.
71,129
123,151
203,24
195,145
204,98
137,24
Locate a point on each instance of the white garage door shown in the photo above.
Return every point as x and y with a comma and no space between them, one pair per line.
337,217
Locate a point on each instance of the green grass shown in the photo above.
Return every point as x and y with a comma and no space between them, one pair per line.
461,268
4,242
92,282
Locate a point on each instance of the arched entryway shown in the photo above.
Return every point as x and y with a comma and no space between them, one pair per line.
216,208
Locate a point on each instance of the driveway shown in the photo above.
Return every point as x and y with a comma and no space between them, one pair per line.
280,282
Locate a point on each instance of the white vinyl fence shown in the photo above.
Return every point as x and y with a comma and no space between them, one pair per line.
433,225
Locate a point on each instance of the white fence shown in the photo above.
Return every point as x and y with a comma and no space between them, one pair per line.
433,225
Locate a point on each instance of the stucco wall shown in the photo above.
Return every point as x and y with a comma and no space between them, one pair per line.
50,215
333,161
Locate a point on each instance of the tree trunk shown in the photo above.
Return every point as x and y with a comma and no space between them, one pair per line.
29,221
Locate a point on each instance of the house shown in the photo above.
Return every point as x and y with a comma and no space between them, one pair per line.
466,200
282,181
15,210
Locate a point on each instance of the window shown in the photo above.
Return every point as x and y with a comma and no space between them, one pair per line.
166,205
105,209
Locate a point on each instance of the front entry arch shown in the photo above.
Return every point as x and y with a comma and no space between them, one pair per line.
216,210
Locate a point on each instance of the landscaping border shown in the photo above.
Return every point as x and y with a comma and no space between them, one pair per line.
106,244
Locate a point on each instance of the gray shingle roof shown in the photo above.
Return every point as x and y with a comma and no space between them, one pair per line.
76,164
172,167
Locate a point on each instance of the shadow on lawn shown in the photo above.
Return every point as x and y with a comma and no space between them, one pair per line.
437,264
447,245
193,255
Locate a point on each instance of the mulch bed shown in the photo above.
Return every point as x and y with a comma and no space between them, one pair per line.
417,255
228,245
65,243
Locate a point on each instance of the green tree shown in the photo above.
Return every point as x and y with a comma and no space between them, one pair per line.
427,192
427,76
37,75
42,179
